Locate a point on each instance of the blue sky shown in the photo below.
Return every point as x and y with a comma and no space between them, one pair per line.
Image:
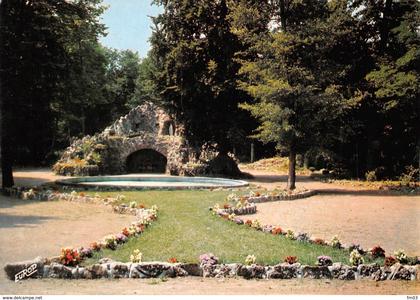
128,24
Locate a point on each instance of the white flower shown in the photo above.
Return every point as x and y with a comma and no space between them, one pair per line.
356,258
256,224
400,255
136,257
120,197
250,260
335,242
73,193
232,197
290,234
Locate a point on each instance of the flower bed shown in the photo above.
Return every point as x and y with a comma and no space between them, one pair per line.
257,197
68,264
357,254
72,257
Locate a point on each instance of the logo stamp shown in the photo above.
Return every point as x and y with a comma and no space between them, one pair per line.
32,269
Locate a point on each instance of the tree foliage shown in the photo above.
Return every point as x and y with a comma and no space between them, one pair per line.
193,50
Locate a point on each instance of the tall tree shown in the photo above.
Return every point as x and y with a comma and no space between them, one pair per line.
35,55
193,50
297,103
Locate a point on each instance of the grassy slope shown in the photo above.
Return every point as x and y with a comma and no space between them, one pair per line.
274,164
185,229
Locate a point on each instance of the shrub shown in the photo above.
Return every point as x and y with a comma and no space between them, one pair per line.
356,258
290,234
250,260
208,259
95,246
133,204
302,237
126,232
75,168
85,252
371,176
256,224
120,238
319,241
335,242
291,259
69,257
136,256
110,242
377,252
409,176
357,247
389,261
324,261
277,230
401,256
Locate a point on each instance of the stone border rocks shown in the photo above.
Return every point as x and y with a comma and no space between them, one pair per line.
111,269
281,197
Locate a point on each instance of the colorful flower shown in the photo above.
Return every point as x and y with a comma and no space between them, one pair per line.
377,251
69,257
291,259
335,242
173,260
401,256
390,260
136,256
208,259
277,230
290,234
356,258
250,260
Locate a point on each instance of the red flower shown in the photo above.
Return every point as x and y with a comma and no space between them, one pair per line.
95,246
389,261
291,259
319,242
172,260
226,206
276,230
377,251
142,206
248,222
125,232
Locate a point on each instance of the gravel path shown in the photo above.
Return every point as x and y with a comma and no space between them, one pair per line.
368,217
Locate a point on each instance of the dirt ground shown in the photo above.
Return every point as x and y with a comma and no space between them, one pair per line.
29,228
209,286
369,217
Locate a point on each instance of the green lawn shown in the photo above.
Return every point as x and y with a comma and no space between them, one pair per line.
185,229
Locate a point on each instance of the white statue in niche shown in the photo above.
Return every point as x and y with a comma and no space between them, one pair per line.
171,129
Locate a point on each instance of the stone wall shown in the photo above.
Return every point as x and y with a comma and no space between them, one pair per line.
145,127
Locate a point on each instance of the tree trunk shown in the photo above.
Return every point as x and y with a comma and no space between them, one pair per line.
6,170
5,120
291,182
